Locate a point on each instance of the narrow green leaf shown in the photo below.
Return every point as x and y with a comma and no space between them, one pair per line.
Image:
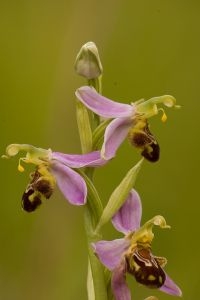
84,127
119,195
90,284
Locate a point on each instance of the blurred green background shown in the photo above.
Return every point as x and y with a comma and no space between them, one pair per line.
147,48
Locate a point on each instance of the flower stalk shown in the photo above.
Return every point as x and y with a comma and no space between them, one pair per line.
103,124
88,64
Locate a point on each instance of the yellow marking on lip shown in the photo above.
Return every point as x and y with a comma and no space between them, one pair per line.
151,277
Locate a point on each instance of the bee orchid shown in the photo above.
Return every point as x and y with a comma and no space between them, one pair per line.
51,168
129,120
132,254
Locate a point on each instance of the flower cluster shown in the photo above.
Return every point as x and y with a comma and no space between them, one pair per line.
73,174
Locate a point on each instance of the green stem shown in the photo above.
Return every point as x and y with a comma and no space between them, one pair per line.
97,272
84,127
93,200
100,289
98,134
92,214
97,84
96,282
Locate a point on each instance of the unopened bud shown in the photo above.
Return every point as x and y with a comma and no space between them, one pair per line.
88,63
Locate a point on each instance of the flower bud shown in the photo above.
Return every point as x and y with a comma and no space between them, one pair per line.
88,62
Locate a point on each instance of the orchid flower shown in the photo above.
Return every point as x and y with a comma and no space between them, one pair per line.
51,168
128,120
132,254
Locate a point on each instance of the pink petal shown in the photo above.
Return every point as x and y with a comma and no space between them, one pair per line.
128,217
119,286
114,135
170,287
103,106
92,159
70,183
111,253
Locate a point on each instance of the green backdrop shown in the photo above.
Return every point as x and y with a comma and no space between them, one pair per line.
147,48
